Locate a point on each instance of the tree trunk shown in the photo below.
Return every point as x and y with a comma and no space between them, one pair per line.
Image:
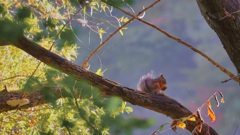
223,16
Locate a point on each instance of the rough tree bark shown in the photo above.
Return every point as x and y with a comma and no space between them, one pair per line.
223,17
162,104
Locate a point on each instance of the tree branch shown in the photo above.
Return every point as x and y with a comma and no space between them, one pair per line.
224,70
162,104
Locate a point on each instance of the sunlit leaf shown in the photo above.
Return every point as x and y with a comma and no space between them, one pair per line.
128,109
105,131
181,125
94,5
101,32
100,72
49,7
104,6
120,31
191,118
17,102
210,112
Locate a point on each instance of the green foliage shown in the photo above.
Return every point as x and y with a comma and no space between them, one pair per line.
162,126
3,10
50,23
10,30
118,3
23,13
66,38
72,106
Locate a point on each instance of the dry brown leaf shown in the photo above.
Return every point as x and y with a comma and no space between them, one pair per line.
222,97
173,125
199,127
199,114
222,100
216,99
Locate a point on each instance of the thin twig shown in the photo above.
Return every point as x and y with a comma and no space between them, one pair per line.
230,74
79,10
226,16
16,76
236,76
199,108
78,107
236,129
85,63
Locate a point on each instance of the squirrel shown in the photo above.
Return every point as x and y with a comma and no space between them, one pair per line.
151,84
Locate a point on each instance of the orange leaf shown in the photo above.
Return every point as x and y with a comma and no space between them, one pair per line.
210,112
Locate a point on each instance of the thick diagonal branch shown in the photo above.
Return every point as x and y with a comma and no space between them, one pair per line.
161,104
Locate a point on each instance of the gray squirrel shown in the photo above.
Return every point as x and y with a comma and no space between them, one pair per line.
151,84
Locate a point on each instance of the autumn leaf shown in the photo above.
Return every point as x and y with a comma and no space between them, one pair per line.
173,125
199,127
210,112
181,125
178,123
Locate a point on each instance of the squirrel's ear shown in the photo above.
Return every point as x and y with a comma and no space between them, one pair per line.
162,82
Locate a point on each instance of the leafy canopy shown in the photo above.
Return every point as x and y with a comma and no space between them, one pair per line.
81,110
